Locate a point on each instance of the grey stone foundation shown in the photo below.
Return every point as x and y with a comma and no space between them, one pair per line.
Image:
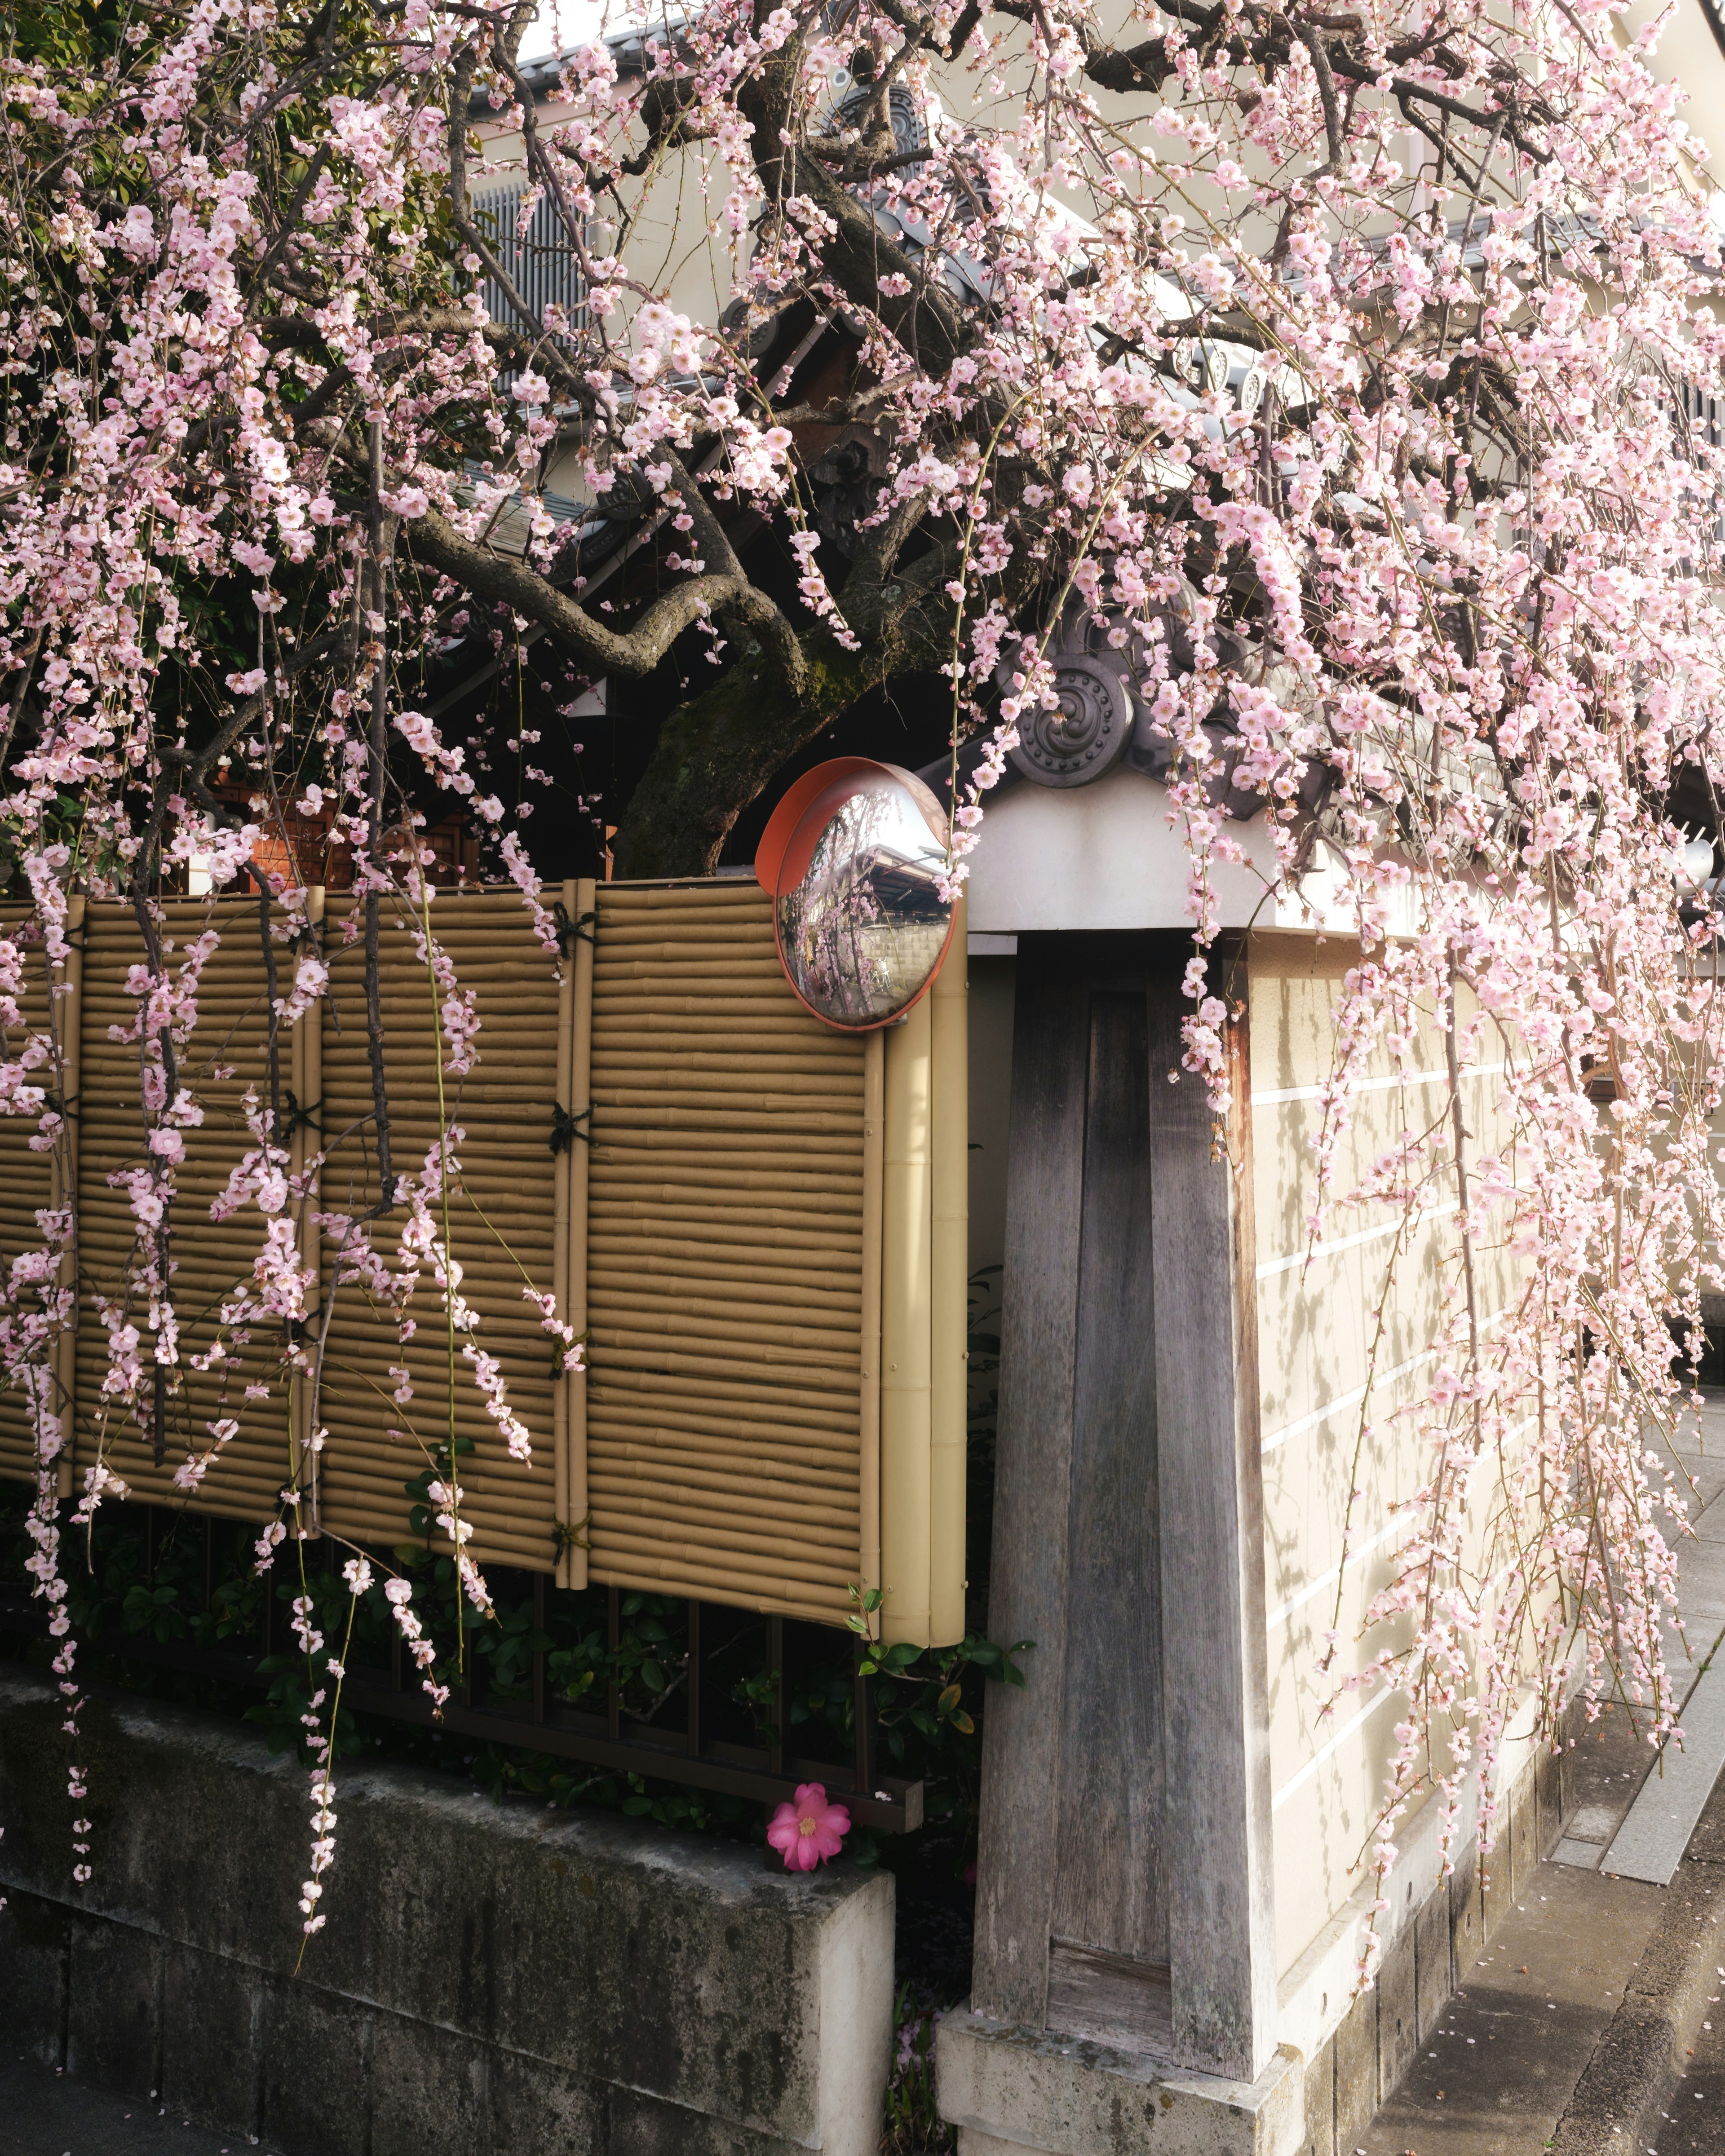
1361,2064
1013,2091
490,1979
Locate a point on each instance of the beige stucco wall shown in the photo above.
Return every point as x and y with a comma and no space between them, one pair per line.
1363,1303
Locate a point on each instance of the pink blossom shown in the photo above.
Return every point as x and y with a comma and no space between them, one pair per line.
810,1830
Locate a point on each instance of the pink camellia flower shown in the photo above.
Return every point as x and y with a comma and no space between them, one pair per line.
810,1830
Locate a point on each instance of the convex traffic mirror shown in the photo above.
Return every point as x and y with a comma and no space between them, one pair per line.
852,858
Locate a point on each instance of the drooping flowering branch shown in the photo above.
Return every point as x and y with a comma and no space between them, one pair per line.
1342,381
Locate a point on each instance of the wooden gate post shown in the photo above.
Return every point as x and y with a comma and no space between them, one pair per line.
1124,1889
1216,1684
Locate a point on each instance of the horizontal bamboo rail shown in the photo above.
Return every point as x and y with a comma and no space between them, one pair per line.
835,1484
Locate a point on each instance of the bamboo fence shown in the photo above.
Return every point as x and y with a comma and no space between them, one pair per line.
757,1226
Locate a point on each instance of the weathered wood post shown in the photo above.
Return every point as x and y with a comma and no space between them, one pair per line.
1125,1926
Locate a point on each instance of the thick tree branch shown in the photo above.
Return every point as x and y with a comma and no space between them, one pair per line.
716,754
880,547
1313,39
433,540
755,609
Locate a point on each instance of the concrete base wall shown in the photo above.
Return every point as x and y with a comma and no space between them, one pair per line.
490,1978
1069,2095
1037,2093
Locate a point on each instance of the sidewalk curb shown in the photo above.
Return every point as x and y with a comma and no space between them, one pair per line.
1619,2101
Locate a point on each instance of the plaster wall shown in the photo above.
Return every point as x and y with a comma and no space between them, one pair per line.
1112,854
1350,1323
1100,856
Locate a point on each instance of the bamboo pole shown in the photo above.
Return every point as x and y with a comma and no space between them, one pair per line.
647,940
623,1189
740,1319
906,1289
950,1294
734,1240
720,1072
560,1247
868,1464
707,1388
766,1009
645,1351
636,1172
795,1518
718,1468
793,1025
776,1115
661,1558
665,1267
574,1570
650,1083
682,892
618,1427
308,1098
66,1018
507,1486
742,964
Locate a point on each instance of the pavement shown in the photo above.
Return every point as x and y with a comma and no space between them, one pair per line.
1593,2023
1498,2072
44,2114
1690,2117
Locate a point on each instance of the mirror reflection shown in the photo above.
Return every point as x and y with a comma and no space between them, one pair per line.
861,934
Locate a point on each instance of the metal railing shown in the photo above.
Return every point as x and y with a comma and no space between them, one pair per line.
612,1738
